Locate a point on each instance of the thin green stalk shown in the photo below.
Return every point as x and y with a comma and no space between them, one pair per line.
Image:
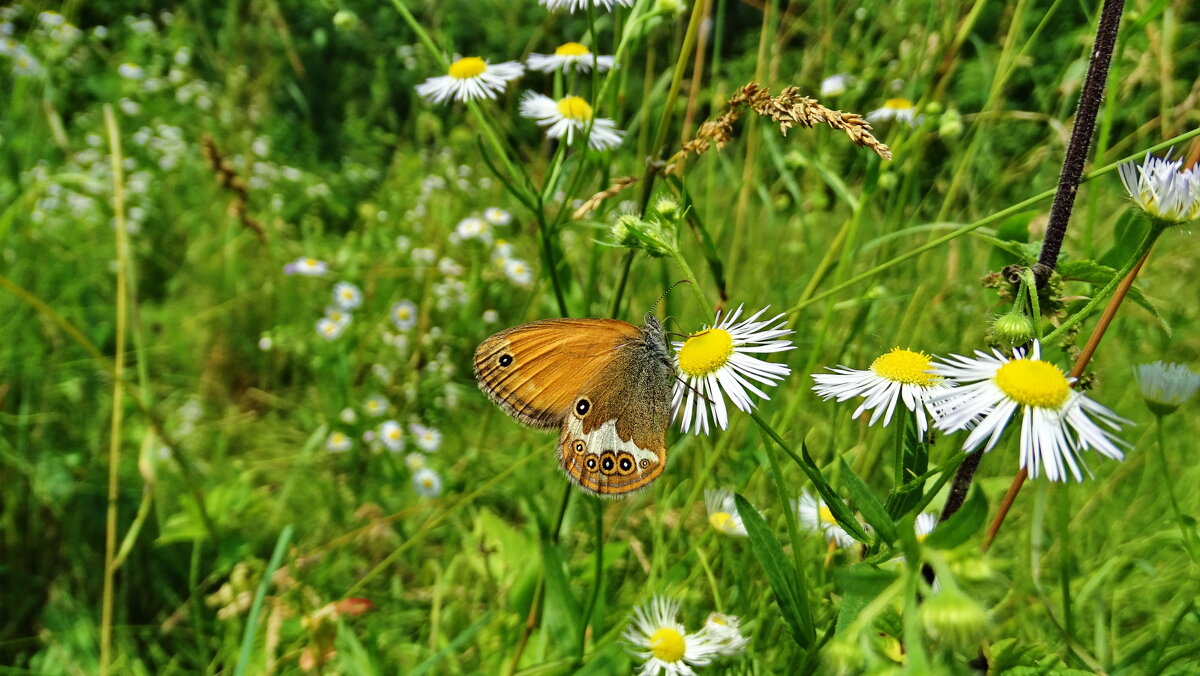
598,582
114,438
1064,559
986,220
285,537
1169,482
898,475
785,504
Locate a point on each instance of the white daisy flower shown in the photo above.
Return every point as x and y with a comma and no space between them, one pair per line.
338,442
330,329
898,376
1161,189
414,461
404,315
576,5
812,512
392,435
1056,421
266,343
375,405
306,267
470,78
719,362
656,636
347,296
502,252
428,438
569,116
490,316
724,631
722,512
1166,387
926,522
473,227
569,56
497,216
518,272
835,85
336,314
427,483
896,109
348,416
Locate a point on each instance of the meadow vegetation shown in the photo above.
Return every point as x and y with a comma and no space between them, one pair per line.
245,263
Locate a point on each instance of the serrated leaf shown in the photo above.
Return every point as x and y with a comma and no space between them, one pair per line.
837,506
860,584
965,522
868,503
780,574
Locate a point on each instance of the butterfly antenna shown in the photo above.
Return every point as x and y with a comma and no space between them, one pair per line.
664,294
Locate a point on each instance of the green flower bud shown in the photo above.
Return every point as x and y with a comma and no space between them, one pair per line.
345,20
950,125
953,617
1013,328
843,655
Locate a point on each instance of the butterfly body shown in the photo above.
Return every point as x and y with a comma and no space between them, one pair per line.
606,384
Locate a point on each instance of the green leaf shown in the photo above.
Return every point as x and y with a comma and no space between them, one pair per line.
1128,233
965,522
563,613
868,503
780,573
860,584
837,506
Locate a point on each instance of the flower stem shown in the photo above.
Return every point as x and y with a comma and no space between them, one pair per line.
1184,530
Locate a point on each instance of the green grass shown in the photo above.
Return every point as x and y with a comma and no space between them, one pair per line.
238,534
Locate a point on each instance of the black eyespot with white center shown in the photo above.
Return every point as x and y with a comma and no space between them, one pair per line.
506,360
625,463
591,463
607,464
582,407
579,446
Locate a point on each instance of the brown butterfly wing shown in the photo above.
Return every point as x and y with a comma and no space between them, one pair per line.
613,439
534,371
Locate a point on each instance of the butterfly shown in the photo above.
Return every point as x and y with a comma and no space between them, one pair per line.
604,383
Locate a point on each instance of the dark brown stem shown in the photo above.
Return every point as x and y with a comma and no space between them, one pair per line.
1081,138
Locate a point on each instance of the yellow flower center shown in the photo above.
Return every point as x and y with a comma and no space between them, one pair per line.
1033,383
403,313
467,68
905,366
575,108
705,352
427,482
667,644
310,262
571,49
393,433
826,515
898,104
720,520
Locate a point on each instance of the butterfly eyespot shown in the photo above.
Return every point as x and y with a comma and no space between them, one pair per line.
607,462
505,359
582,407
591,464
644,463
579,446
625,464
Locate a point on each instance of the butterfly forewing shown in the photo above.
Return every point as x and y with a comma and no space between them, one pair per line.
533,371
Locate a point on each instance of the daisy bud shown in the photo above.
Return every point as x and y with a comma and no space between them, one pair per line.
1012,329
950,125
953,617
635,233
666,207
345,20
1165,387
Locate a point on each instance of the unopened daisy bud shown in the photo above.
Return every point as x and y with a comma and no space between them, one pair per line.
649,236
1012,329
951,124
887,180
345,20
1166,387
953,617
666,206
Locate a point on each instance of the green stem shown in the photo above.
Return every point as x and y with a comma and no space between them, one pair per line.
1102,297
899,478
1169,482
597,583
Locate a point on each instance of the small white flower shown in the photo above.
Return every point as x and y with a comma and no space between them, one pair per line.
569,56
896,109
898,376
428,438
835,85
404,315
337,314
501,252
338,442
722,512
926,522
1165,387
392,435
347,296
725,633
414,461
450,268
475,228
423,256
427,483
490,316
518,272
1056,421
812,512
306,267
570,116
576,5
719,362
329,329
656,636
265,343
497,216
131,71
1162,189
375,405
348,416
470,78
